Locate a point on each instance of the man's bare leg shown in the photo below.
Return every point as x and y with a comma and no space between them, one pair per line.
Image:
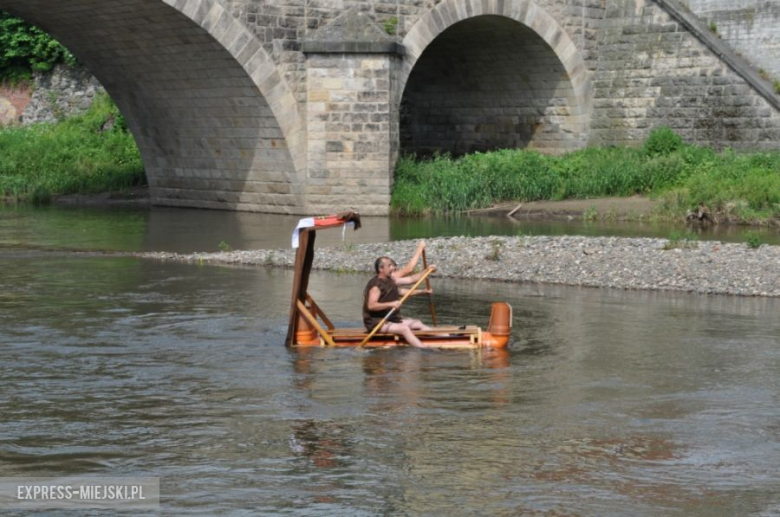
403,330
415,324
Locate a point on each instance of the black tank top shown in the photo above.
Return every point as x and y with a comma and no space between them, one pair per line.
388,292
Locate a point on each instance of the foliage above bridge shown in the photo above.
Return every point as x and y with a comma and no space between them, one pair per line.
25,48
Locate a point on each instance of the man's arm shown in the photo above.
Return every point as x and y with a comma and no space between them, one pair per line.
409,280
408,268
416,292
373,301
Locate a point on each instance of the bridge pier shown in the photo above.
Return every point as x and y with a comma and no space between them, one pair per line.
352,131
352,117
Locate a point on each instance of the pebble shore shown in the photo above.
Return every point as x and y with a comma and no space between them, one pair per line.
705,267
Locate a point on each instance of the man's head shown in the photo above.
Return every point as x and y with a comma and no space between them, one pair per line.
384,266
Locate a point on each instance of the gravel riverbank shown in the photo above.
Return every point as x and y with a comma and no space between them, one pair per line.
623,263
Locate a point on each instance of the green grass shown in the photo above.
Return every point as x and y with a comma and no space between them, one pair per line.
73,156
744,187
753,240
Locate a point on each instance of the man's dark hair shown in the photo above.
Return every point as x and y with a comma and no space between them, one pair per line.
378,263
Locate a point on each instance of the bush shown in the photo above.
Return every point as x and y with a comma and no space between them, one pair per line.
683,177
25,48
663,141
753,240
71,156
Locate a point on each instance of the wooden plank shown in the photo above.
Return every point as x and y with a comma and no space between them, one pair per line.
416,333
308,260
304,258
514,210
319,312
300,254
433,331
421,334
428,286
467,341
314,323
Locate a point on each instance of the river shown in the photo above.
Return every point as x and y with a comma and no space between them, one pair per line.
607,403
185,231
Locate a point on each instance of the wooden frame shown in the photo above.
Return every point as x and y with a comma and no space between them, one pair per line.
319,312
314,323
304,258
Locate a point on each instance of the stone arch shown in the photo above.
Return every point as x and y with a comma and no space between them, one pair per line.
249,53
452,19
216,123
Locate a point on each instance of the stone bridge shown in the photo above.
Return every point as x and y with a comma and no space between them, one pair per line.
303,106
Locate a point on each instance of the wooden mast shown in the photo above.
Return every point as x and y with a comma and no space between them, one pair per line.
304,258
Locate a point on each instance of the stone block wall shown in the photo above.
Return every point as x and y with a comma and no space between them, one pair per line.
61,92
282,25
652,72
349,132
751,27
646,70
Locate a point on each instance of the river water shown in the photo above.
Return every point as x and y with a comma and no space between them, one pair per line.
186,231
607,403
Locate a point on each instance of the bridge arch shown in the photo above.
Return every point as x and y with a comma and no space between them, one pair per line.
216,123
486,74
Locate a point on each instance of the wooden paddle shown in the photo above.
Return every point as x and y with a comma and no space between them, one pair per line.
425,275
428,286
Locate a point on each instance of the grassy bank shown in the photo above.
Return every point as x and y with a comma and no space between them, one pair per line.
738,187
86,154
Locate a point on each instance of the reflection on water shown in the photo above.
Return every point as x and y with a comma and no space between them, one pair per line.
188,230
476,226
159,229
607,403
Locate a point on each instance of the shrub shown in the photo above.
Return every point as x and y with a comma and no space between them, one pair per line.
663,141
753,240
661,171
591,214
25,48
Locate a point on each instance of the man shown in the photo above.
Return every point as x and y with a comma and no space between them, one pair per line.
382,295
